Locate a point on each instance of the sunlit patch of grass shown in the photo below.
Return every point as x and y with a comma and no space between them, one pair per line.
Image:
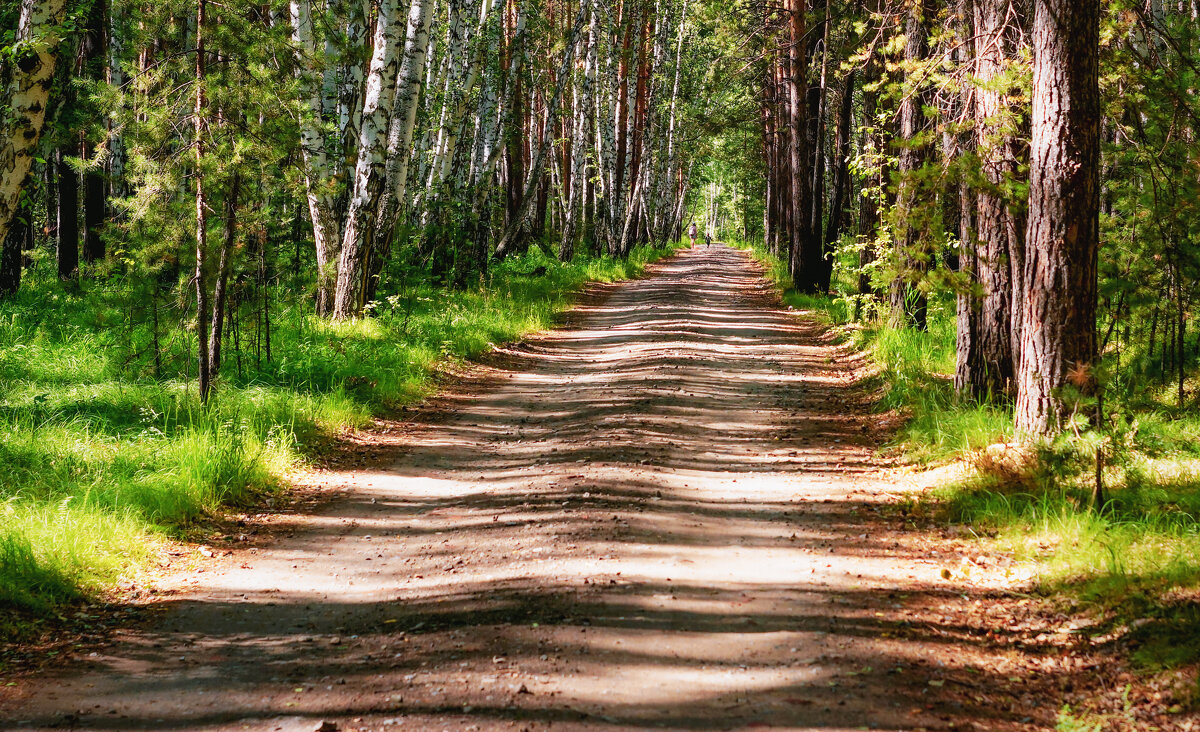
1137,560
100,458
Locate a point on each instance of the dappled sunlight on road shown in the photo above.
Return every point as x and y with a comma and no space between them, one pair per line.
663,515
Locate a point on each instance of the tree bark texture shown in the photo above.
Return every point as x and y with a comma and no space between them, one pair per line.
909,303
32,64
1058,341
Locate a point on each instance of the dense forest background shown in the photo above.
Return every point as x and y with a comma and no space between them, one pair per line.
232,230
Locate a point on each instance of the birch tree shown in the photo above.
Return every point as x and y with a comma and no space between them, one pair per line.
370,170
31,62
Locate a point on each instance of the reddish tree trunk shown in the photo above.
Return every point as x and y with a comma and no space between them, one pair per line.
1058,336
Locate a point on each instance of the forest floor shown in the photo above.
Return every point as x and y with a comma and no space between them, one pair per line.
670,513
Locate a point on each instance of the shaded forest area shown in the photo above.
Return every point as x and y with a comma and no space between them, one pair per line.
232,230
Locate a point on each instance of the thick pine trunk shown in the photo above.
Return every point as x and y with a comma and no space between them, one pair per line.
800,154
1000,226
967,302
1058,340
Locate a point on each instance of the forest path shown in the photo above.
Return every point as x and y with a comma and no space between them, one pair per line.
665,514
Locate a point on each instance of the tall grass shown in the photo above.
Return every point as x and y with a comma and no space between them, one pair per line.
100,459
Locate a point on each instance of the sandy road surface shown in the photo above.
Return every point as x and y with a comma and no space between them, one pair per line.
662,515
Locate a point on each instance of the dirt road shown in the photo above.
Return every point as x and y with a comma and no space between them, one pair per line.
662,515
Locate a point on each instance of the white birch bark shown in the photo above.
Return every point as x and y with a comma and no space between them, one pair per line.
638,213
661,171
456,121
456,51
32,68
427,146
404,114
369,172
487,126
497,112
606,154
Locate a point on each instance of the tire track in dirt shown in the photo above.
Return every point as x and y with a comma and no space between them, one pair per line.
665,514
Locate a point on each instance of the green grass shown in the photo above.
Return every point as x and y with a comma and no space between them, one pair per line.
101,459
1135,563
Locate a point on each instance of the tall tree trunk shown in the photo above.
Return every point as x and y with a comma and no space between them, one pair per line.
841,182
200,120
968,363
909,303
767,112
617,206
94,57
221,281
369,173
868,202
1058,339
67,249
31,68
320,165
999,225
116,78
668,203
800,154
12,248
813,258
504,246
400,134
576,185
518,133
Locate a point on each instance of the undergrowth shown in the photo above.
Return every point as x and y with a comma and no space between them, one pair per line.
101,457
1134,563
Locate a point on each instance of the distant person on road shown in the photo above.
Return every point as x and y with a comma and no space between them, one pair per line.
707,239
692,233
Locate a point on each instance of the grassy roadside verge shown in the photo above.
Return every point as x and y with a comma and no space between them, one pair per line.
101,458
1133,566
